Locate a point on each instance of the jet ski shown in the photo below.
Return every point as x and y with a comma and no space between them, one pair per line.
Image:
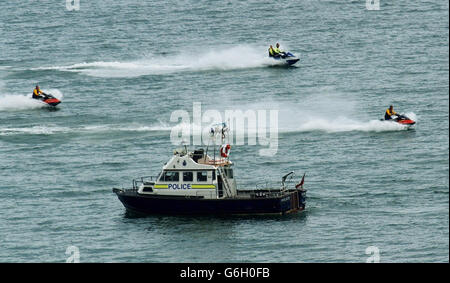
402,120
287,58
48,99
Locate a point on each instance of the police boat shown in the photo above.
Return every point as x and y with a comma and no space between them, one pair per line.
203,182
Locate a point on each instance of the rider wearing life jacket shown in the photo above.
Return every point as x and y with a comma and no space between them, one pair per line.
278,51
271,51
37,93
389,112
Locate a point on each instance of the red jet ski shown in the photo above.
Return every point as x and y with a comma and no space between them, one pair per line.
403,120
48,98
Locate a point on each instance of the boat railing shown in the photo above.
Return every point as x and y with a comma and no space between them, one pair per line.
250,184
143,180
260,188
267,186
216,162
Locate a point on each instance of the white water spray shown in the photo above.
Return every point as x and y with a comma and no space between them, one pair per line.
15,102
239,57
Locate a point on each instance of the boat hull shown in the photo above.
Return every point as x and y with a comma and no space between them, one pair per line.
292,61
288,59
156,204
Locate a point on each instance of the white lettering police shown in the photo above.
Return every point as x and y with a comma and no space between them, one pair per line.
179,187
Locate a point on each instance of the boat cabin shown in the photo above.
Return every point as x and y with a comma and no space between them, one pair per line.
191,174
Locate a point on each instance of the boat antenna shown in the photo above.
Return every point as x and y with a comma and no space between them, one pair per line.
184,143
214,141
211,135
225,129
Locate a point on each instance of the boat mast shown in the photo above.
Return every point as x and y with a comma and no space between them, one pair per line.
214,141
215,131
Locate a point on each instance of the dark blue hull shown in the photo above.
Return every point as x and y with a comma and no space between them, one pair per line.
292,62
153,204
289,59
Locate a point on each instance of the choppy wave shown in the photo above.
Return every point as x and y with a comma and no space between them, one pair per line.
124,128
91,129
34,130
239,57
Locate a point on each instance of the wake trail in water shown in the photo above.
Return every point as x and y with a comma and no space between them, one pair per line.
340,124
328,118
17,102
91,129
239,57
328,112
343,124
333,112
289,123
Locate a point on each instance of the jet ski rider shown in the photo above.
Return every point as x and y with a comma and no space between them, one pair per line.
38,94
278,50
271,51
389,113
